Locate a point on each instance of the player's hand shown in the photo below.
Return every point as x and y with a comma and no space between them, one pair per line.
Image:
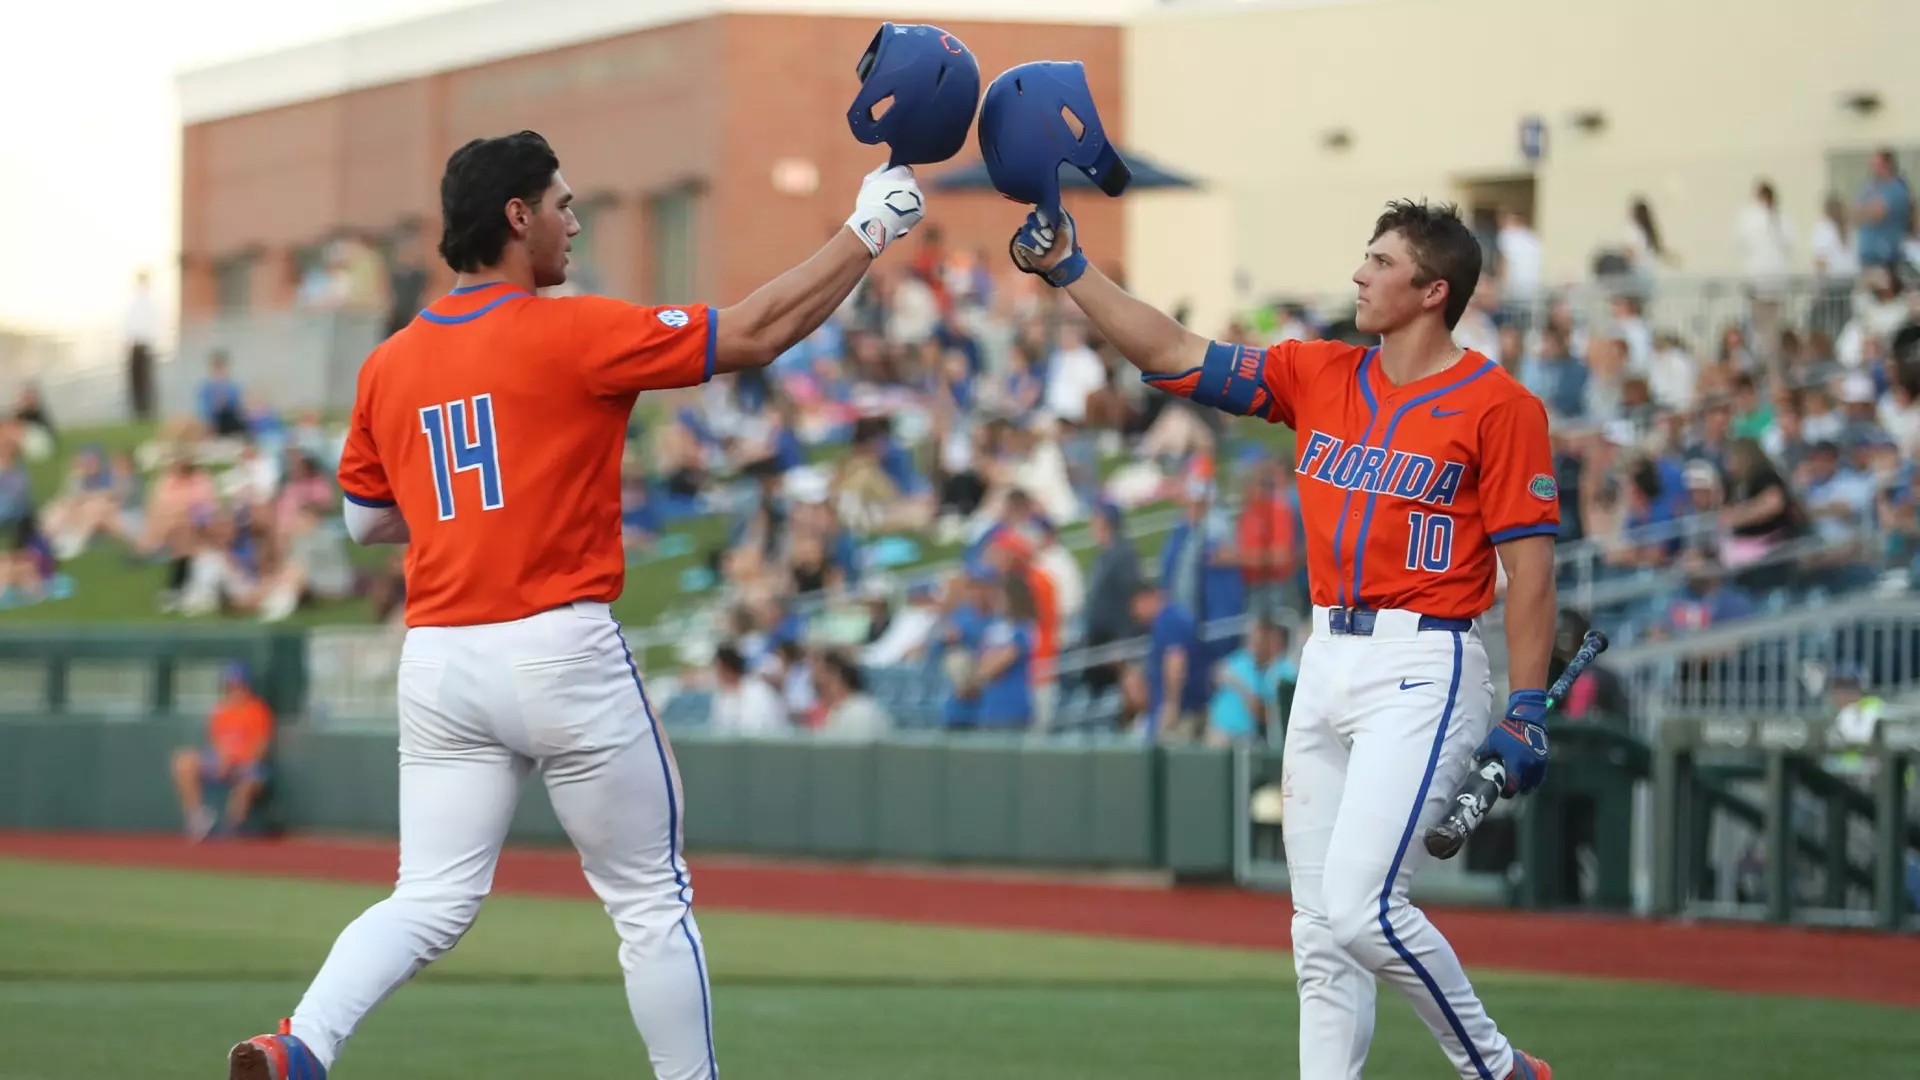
1049,250
888,207
1520,742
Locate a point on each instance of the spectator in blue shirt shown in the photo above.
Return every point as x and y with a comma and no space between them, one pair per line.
220,404
1246,694
1555,377
1651,538
1200,568
1173,682
1707,600
640,519
1005,676
958,639
1883,210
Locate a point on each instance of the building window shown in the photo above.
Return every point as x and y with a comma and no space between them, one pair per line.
670,246
233,283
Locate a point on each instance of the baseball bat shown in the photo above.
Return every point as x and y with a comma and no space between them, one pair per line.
1482,789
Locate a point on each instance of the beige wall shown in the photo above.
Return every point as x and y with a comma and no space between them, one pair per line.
1700,96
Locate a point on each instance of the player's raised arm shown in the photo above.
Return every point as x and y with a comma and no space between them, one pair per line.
628,348
1240,379
785,310
1150,339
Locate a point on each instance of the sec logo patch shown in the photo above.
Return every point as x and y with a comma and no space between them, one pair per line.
674,317
1542,487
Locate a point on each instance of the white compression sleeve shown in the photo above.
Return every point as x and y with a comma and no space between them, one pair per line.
374,524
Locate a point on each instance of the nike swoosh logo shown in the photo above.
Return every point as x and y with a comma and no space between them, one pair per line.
1438,415
1405,685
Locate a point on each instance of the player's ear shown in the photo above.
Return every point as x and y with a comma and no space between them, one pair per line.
519,216
1436,296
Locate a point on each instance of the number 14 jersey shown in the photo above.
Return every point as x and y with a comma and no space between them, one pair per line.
495,422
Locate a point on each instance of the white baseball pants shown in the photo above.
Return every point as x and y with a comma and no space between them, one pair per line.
480,707
1382,732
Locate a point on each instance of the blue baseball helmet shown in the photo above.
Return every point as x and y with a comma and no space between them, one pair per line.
934,83
1025,134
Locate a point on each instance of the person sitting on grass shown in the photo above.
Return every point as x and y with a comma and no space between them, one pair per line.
239,730
89,503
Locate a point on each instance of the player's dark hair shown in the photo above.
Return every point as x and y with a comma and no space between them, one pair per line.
1444,249
728,659
481,178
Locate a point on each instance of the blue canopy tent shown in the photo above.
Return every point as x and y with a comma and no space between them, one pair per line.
1146,174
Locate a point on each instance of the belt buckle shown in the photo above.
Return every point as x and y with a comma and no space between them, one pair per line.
1340,620
1359,620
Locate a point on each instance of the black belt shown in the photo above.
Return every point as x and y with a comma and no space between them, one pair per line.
1359,622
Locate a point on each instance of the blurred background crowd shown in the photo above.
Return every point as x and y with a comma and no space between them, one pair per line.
953,507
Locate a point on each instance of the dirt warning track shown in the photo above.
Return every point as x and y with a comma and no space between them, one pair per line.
1761,959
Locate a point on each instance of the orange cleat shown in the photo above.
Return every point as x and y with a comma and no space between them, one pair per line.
1525,1067
274,1057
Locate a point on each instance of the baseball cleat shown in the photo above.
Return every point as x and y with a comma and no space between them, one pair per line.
274,1057
1525,1067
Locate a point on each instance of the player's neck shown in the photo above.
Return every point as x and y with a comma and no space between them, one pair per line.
1416,352
515,272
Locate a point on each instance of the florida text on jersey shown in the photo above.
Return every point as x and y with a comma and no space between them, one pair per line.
1404,490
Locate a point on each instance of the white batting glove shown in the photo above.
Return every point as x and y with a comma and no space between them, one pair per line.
889,206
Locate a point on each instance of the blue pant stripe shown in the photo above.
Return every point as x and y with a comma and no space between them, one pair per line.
1393,871
673,844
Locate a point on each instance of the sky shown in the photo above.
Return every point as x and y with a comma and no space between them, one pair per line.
91,175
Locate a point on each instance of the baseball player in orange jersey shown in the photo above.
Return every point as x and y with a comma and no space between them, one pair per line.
487,436
1418,464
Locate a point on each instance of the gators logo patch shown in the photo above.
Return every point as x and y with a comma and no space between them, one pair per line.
1544,488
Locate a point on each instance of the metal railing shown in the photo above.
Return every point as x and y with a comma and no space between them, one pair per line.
1798,560
293,359
1779,666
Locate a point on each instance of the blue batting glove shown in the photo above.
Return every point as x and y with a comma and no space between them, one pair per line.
1520,742
1034,245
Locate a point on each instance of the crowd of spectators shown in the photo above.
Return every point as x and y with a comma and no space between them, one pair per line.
1703,479
1765,458
956,414
235,501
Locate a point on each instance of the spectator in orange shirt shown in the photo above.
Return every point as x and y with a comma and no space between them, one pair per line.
1269,552
238,733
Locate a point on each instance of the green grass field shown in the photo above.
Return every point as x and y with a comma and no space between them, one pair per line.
152,974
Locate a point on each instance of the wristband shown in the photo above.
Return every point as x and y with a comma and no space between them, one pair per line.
1528,705
1067,270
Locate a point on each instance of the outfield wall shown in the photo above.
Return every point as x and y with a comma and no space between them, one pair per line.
915,800
90,718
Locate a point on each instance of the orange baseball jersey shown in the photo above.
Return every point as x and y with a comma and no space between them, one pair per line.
496,421
1404,490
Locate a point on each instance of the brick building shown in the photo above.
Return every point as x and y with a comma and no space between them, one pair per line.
707,143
